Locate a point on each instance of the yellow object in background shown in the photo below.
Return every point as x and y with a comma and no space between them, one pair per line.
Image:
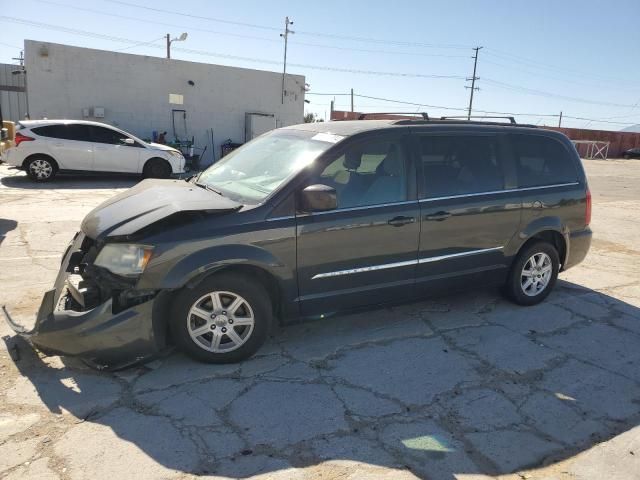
8,141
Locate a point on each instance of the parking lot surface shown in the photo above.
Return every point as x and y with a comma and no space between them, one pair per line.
467,386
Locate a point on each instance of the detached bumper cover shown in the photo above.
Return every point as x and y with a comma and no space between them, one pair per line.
104,339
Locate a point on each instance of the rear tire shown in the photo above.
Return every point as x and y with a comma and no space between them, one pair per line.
533,274
41,169
156,168
224,319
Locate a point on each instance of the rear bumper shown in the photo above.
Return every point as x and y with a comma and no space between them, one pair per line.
579,244
104,339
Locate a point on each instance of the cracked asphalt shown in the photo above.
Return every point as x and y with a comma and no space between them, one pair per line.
466,386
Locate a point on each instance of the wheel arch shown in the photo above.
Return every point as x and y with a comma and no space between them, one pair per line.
33,156
550,232
254,262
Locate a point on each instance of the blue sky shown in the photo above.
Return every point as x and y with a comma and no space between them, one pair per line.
539,57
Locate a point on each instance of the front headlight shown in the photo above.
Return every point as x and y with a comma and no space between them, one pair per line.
175,153
128,260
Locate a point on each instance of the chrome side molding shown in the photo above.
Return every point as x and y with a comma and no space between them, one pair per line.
406,263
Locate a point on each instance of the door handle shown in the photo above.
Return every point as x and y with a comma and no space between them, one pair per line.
400,221
438,216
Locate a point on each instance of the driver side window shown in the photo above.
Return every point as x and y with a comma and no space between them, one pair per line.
370,173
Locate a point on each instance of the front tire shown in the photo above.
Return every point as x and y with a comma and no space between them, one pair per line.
41,169
156,168
533,274
224,319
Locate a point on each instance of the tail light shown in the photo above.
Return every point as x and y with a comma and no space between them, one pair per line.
22,138
587,213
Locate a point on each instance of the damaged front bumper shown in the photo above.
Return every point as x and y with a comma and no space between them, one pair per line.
110,335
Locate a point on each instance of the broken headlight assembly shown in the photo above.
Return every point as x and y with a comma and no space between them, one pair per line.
124,259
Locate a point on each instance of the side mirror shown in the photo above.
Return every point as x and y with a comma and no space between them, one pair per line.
4,134
128,141
318,198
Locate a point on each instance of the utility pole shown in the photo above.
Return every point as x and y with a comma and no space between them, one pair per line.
23,71
560,120
285,35
352,100
473,81
168,45
20,58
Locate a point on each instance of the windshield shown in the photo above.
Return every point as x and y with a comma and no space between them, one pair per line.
255,170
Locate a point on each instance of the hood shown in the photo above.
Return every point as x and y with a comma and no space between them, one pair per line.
160,146
148,202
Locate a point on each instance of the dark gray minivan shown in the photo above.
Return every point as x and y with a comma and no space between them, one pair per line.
314,219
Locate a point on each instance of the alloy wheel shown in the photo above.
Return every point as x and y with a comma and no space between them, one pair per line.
536,274
41,169
220,321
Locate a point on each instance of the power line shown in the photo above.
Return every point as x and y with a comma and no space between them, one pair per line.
140,44
554,77
113,38
314,34
542,93
10,46
545,66
155,22
524,114
239,35
201,17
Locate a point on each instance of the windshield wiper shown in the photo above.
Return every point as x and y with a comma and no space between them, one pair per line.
209,187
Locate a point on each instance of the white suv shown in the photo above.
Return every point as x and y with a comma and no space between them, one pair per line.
46,147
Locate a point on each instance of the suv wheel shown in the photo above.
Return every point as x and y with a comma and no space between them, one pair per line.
156,168
41,169
533,274
224,319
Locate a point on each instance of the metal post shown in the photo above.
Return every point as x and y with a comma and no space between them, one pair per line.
352,99
473,81
560,120
168,45
285,35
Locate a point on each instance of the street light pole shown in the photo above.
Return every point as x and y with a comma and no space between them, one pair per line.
170,40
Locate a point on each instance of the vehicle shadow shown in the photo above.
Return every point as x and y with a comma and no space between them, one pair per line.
71,182
6,225
465,384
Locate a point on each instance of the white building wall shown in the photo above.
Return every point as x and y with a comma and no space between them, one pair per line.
134,91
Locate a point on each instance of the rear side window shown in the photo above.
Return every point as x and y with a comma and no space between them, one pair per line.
65,132
459,165
542,161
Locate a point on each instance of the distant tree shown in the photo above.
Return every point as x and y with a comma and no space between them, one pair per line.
312,118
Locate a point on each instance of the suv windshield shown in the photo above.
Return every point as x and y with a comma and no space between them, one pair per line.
252,172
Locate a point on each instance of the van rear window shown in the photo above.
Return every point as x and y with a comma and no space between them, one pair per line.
542,161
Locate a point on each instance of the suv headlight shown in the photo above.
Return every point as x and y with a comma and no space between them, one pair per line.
125,259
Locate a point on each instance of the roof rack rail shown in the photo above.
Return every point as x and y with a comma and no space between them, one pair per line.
424,115
511,119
